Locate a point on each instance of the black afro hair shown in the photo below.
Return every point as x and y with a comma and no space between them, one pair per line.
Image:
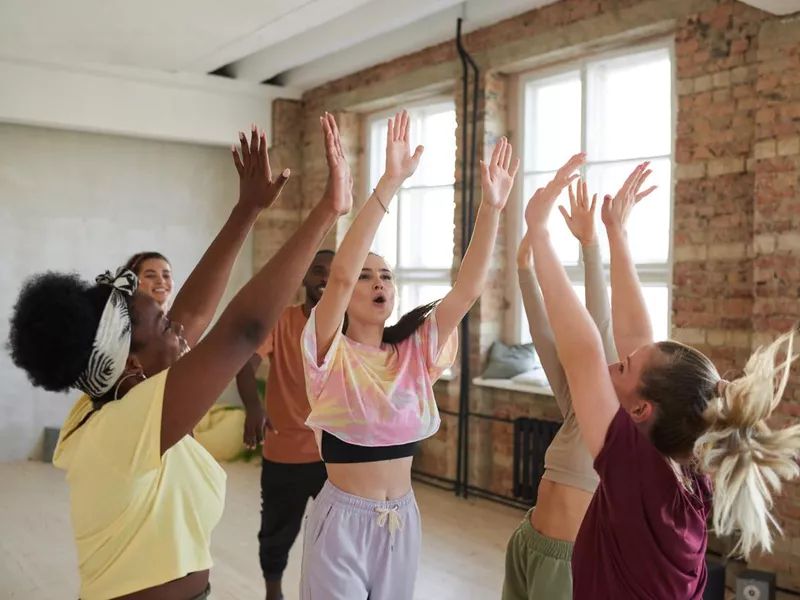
53,325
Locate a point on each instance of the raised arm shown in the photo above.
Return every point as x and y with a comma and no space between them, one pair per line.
539,326
200,376
578,342
497,179
632,327
581,223
198,299
349,259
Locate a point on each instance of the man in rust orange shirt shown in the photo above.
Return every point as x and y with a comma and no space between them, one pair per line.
292,470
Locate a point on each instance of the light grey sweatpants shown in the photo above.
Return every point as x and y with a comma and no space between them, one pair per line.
359,549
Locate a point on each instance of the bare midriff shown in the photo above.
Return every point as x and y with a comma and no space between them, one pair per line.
380,481
559,510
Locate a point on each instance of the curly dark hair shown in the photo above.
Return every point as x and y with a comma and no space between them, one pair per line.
53,325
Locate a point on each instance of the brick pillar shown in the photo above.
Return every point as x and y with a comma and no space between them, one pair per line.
713,219
315,168
775,165
276,225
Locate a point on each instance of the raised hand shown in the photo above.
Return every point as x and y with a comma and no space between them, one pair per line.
400,163
541,204
580,218
257,189
339,188
497,176
616,210
525,252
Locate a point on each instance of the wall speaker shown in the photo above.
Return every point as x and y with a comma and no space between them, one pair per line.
755,585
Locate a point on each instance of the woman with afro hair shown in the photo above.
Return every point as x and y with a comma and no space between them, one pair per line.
144,495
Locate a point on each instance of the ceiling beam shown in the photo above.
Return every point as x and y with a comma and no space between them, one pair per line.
370,21
197,109
414,36
309,14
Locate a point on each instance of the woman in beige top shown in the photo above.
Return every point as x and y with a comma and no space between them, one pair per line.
539,552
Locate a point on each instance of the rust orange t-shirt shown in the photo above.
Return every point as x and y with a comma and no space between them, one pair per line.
286,398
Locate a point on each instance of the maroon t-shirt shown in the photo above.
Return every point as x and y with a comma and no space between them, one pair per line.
644,535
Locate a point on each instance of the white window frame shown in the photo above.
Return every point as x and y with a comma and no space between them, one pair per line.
410,275
650,274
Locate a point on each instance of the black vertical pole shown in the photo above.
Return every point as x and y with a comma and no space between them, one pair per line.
467,222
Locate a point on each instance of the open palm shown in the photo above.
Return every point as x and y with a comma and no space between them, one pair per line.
616,210
339,188
497,176
541,203
257,188
400,163
580,218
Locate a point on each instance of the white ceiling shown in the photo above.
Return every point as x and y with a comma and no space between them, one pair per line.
155,58
257,39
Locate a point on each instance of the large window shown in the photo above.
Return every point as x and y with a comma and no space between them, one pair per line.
416,237
620,112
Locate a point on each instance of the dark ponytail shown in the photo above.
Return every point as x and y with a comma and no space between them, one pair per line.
406,326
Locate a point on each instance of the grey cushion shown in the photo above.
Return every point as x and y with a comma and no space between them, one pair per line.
506,362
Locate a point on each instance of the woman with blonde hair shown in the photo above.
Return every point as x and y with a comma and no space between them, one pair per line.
669,437
539,552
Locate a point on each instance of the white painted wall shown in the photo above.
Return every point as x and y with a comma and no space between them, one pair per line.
85,202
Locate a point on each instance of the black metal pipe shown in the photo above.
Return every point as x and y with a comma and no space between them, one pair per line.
465,367
464,242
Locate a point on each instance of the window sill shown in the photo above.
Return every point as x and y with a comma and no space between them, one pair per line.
507,384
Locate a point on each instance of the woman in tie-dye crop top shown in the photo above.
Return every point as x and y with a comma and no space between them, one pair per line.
370,388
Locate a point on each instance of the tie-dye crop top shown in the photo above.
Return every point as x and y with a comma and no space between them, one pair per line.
371,396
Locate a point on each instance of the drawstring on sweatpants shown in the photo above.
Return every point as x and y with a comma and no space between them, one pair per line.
394,519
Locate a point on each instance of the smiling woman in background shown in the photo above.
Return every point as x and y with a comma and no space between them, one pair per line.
155,276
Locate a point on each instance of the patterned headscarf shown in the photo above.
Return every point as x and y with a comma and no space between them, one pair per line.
112,342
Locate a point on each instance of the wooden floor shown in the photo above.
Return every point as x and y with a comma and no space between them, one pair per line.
462,552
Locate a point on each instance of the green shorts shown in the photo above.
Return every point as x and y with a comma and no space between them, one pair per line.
536,566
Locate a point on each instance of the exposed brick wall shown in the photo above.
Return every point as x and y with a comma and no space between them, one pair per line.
736,269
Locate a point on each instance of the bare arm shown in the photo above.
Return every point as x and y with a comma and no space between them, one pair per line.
597,302
497,179
578,342
581,222
199,297
255,414
350,257
200,376
632,327
539,326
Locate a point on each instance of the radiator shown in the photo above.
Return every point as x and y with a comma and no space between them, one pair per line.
532,437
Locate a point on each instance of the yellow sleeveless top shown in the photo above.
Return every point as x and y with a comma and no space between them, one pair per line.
139,519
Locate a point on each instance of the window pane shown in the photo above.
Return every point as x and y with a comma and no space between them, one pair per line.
564,242
413,295
656,298
630,106
377,150
649,226
385,242
437,132
552,121
426,228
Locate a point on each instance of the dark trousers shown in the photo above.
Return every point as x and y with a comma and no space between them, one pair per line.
285,490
